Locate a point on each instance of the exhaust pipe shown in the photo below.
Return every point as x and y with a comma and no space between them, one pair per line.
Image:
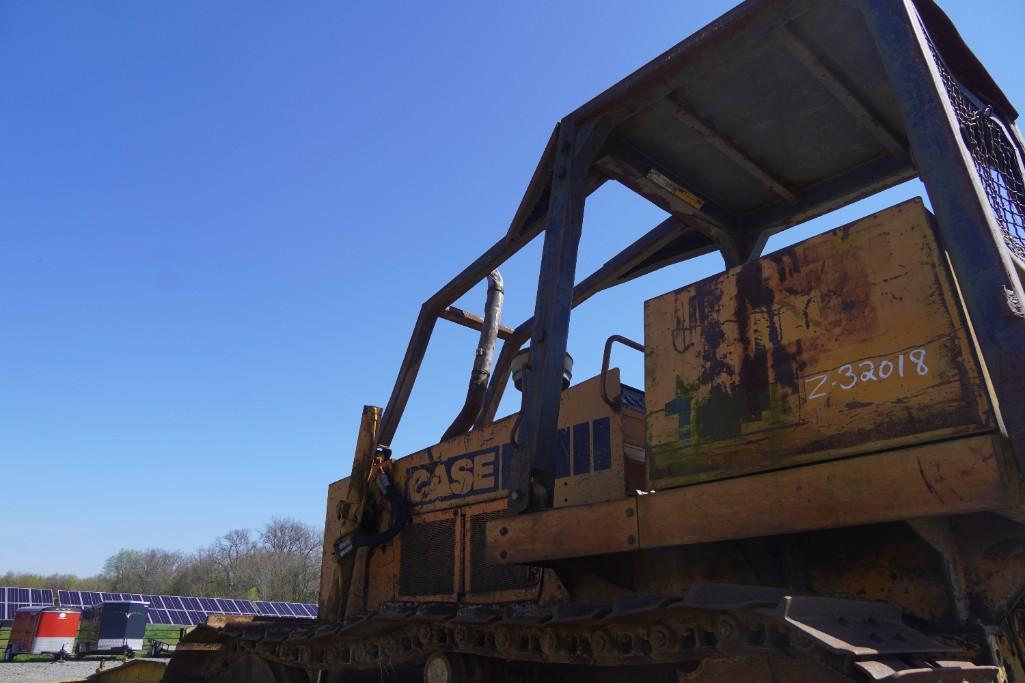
482,360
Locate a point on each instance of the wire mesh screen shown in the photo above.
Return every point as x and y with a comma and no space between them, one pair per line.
996,157
427,559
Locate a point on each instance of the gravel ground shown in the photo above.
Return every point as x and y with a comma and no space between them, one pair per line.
48,672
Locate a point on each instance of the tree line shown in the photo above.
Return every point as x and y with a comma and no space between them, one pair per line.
279,562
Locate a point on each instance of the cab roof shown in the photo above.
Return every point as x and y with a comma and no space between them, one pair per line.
777,112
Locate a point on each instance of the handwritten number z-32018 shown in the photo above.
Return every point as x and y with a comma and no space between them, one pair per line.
848,376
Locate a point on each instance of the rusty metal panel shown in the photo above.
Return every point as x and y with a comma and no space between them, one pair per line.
455,487
947,477
474,468
580,531
849,342
445,551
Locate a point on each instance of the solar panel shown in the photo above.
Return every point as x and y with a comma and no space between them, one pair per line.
161,616
11,598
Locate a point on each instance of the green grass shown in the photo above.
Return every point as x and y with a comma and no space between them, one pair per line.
162,632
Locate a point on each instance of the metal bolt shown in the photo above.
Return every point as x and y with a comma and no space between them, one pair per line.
503,554
629,512
504,531
631,539
514,496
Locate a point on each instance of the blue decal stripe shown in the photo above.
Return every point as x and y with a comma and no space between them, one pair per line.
582,448
602,444
562,455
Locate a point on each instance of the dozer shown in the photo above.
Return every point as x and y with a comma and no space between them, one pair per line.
822,476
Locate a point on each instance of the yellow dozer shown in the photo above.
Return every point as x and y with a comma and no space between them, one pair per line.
821,478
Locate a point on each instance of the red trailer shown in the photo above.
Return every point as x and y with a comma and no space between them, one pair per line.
43,630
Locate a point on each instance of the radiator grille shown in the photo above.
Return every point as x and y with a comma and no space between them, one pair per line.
486,577
427,563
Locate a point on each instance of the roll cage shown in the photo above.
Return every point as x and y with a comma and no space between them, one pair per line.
777,112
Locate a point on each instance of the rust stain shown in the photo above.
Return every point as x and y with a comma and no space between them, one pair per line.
777,362
925,480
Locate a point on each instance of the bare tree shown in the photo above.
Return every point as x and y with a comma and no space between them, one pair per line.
280,562
141,571
232,555
288,565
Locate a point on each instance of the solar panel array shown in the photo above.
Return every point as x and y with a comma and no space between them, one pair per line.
183,611
163,609
13,598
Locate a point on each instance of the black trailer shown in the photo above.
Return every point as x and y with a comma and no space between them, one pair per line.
115,627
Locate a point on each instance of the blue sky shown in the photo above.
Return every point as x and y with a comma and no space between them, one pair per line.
218,221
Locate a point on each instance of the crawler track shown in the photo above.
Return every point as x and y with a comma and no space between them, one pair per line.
840,639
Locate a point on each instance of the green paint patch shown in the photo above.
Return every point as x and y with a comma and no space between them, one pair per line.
718,416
